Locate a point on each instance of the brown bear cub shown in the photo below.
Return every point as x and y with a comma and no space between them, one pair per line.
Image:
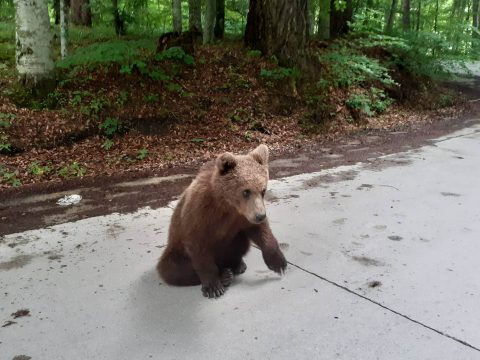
216,218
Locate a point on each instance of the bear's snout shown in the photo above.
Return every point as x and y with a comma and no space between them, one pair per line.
260,217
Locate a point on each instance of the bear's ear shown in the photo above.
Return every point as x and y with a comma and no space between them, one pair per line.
260,154
226,162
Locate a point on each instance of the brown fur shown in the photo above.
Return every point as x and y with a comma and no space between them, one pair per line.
214,222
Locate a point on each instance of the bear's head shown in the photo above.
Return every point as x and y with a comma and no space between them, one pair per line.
241,181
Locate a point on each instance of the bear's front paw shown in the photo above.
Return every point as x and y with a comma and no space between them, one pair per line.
240,269
214,289
275,261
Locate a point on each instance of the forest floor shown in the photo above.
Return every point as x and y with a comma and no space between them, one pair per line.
113,121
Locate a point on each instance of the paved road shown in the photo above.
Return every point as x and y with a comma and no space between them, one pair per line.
383,265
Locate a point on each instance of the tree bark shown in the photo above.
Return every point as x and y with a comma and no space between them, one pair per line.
278,27
80,12
195,15
219,30
419,13
177,15
210,16
118,20
435,22
475,24
33,37
324,20
63,30
391,17
406,15
339,18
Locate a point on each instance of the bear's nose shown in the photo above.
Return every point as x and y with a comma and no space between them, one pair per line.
260,217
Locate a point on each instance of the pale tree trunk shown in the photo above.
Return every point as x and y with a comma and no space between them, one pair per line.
278,27
63,30
219,30
195,15
391,17
406,15
33,43
324,20
177,15
210,17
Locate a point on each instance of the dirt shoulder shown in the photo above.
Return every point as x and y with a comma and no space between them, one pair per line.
34,206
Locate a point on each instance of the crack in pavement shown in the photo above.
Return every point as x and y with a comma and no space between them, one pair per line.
387,308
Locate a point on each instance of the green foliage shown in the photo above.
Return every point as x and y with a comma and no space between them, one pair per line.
175,53
173,87
280,73
5,146
108,144
6,119
111,126
72,170
151,98
94,107
371,103
197,140
39,170
123,97
122,52
142,154
345,68
360,102
254,53
9,177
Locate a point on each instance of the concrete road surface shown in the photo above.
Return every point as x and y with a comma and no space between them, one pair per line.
384,264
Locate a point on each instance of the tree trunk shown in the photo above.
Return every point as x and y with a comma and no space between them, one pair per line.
177,15
324,20
219,30
475,23
195,15
406,15
33,50
435,22
419,13
339,18
63,30
391,17
56,11
278,27
210,16
118,20
80,12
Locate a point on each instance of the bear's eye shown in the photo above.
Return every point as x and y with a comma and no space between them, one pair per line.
246,194
263,192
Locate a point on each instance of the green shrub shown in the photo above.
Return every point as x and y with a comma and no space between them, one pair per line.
72,170
112,126
280,73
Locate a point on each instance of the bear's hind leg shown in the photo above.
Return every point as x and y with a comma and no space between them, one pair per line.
177,269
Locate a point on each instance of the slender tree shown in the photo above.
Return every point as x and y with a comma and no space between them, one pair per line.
419,14
219,30
63,30
210,17
391,17
406,15
33,37
195,15
177,15
278,27
324,19
118,20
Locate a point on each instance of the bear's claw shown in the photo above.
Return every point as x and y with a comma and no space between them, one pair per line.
213,291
